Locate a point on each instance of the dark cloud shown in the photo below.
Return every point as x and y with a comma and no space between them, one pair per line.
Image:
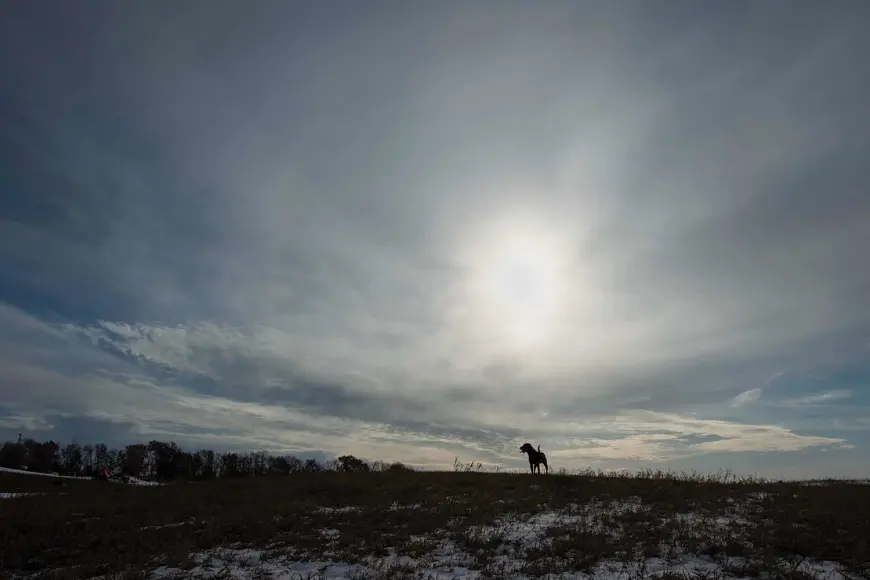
67,428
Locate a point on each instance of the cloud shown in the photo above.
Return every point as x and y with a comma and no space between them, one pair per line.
774,377
662,436
147,393
851,424
746,397
24,423
819,399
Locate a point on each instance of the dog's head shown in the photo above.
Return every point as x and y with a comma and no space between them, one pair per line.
527,448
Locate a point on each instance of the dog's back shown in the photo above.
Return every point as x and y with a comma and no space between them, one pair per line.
542,457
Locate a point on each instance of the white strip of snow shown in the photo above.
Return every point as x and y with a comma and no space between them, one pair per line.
26,472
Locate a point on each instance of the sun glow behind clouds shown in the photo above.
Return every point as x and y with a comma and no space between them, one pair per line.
518,282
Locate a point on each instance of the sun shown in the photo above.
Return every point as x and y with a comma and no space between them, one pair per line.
522,281
518,285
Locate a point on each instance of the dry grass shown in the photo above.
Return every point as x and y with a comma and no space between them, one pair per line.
581,523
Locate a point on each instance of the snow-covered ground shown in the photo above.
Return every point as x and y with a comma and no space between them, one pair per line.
137,481
247,563
341,510
515,537
128,480
835,481
36,473
547,543
7,495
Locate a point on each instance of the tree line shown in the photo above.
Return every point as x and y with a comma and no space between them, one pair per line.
165,461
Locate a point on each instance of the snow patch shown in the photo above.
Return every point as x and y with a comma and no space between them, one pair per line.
512,538
248,563
396,506
341,510
173,525
54,475
127,480
137,481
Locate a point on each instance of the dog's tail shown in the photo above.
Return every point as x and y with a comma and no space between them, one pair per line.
539,448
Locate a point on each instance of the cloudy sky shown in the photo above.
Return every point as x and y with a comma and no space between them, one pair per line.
637,234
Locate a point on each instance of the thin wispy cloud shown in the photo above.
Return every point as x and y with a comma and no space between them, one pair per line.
746,397
820,399
438,230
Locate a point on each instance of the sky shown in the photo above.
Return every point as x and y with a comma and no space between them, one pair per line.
632,233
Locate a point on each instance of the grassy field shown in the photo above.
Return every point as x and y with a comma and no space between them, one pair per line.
436,525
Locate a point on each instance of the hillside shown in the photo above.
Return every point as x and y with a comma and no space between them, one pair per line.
439,525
